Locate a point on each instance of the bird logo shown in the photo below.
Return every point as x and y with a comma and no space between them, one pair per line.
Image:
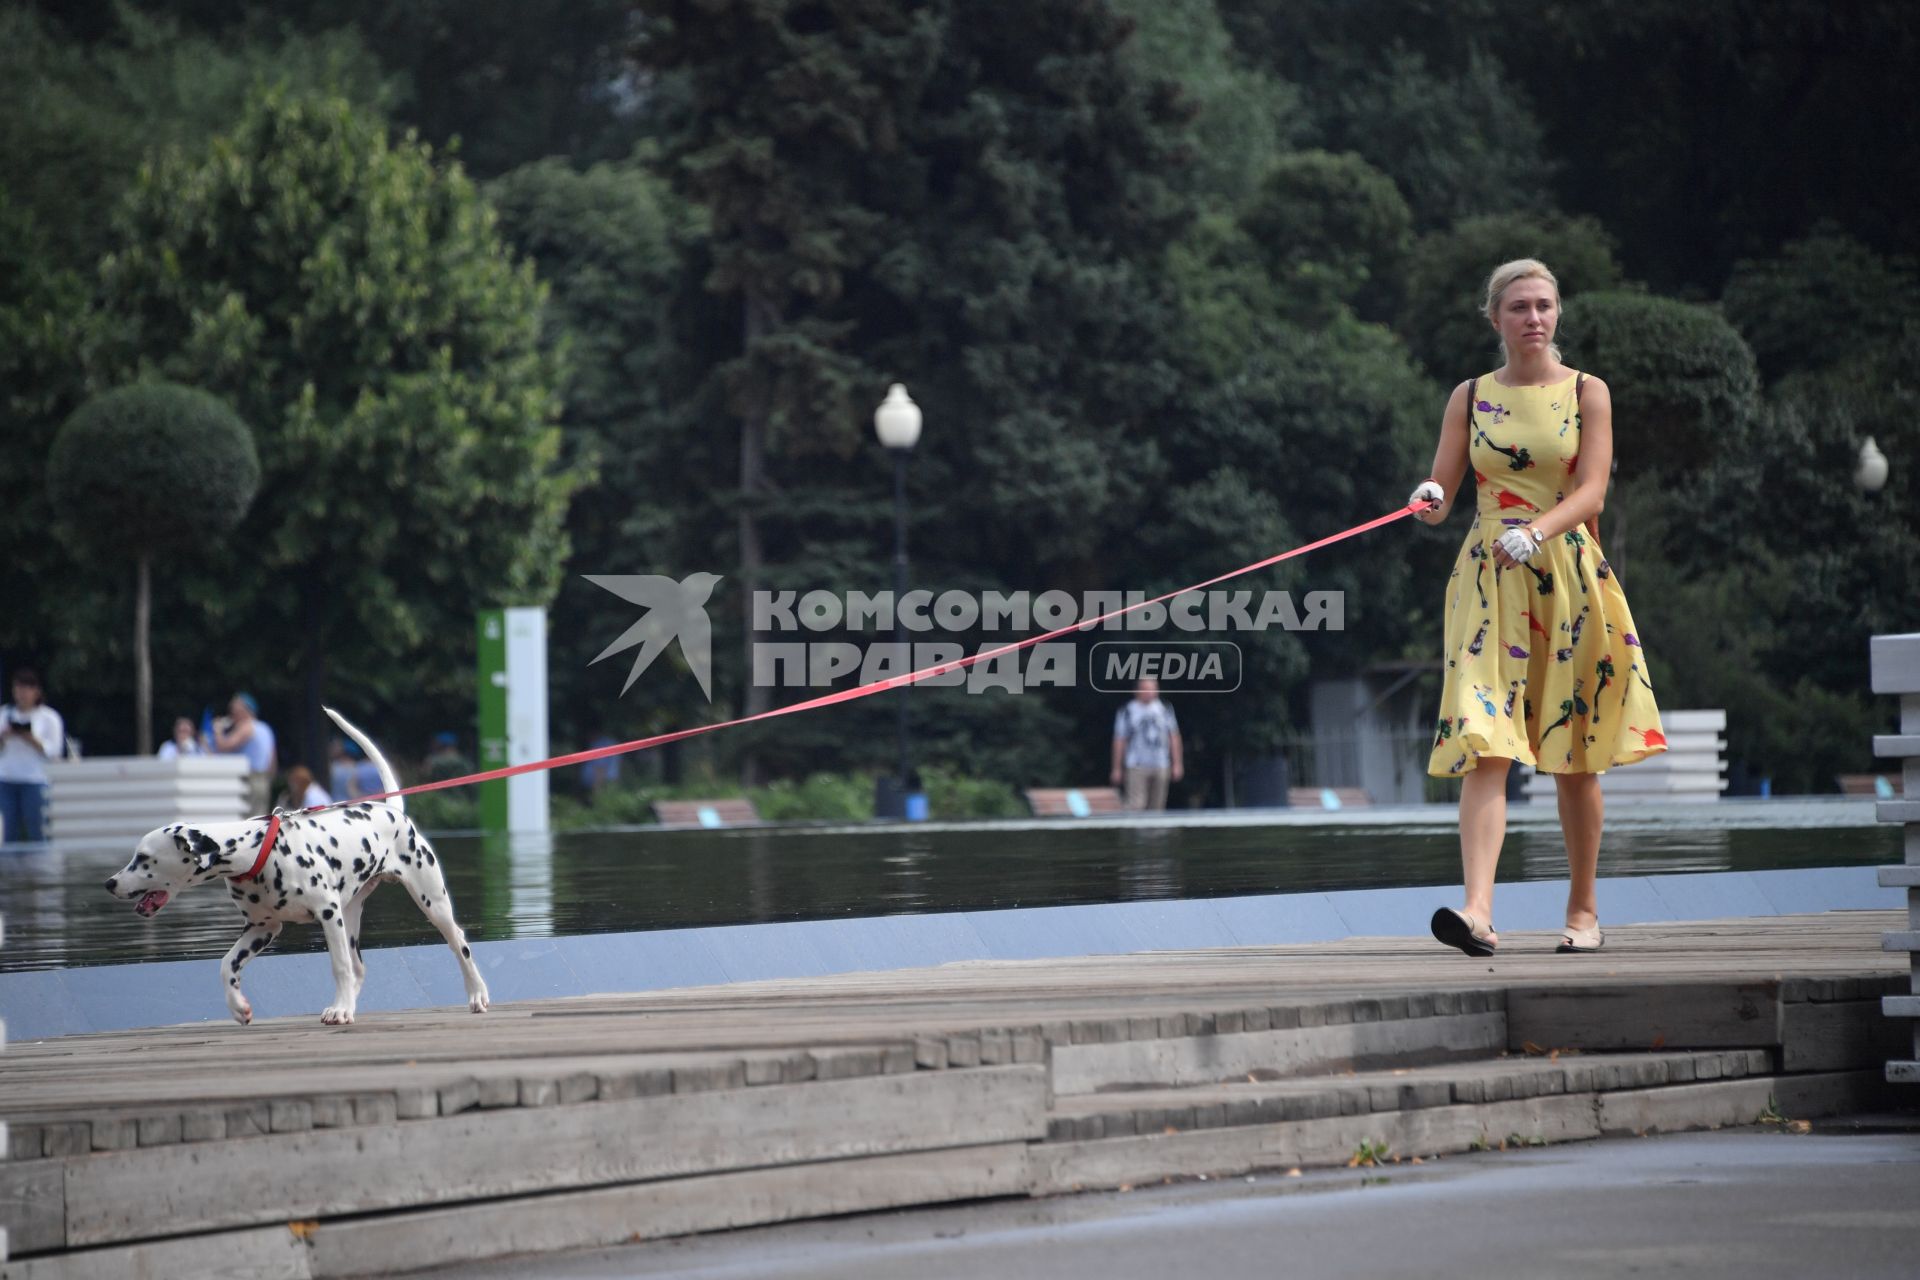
674,611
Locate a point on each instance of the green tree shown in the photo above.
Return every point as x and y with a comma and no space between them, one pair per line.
1821,301
1444,318
612,245
352,298
1243,117
1682,382
1334,231
965,199
150,470
78,115
1457,142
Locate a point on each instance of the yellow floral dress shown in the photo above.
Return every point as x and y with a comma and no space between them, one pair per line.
1543,663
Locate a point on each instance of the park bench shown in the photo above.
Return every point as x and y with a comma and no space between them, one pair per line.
1073,802
706,813
1866,784
1328,797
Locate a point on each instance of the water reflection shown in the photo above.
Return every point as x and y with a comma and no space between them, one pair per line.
588,882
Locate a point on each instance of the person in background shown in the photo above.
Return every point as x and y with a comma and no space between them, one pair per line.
445,760
1147,753
243,732
366,777
31,733
184,742
302,791
603,773
340,760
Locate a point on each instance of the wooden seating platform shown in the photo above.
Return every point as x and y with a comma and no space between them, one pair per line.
712,814
1313,797
1074,802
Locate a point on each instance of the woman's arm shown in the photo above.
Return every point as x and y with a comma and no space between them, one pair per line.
1592,471
1450,459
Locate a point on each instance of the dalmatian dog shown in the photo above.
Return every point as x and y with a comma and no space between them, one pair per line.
321,869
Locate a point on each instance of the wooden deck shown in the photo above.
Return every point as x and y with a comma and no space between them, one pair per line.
297,1057
416,1139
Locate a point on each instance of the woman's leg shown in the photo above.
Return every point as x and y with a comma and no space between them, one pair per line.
1582,810
1483,828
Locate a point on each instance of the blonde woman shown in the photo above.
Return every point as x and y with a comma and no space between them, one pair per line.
1543,662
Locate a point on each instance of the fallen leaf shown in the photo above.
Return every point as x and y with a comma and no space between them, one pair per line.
1799,1126
1554,1056
1532,1048
1125,1186
1169,1129
1659,1042
1418,1160
303,1230
1294,1172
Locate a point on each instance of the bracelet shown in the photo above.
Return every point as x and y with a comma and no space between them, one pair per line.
1537,536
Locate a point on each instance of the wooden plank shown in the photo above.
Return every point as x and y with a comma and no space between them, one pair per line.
1837,1036
1728,1103
263,1253
33,1204
157,1191
1084,1068
1678,1015
1112,1162
650,1211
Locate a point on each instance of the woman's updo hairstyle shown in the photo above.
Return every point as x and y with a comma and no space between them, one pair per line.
1505,274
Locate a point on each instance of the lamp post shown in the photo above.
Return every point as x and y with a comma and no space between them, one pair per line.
897,423
1871,472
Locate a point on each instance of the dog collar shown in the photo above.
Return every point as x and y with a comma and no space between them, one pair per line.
266,847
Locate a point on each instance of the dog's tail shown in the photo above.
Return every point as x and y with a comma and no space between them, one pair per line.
388,782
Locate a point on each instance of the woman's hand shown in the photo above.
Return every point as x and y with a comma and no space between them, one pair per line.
1515,546
1428,491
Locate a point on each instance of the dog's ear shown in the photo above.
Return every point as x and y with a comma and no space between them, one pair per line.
198,845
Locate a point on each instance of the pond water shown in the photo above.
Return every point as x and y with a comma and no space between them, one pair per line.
57,914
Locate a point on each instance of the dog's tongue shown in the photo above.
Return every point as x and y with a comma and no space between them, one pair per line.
151,902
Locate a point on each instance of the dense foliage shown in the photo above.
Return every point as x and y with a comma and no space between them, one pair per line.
1178,283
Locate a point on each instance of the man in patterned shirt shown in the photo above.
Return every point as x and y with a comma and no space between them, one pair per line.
1146,748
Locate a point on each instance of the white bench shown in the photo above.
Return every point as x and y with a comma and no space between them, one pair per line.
115,798
1693,767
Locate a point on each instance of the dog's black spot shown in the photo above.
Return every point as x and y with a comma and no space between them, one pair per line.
233,982
234,889
405,861
428,855
313,879
366,845
327,914
466,951
233,842
262,943
359,864
253,897
334,841
340,885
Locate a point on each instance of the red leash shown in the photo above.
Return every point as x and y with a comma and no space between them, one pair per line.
843,695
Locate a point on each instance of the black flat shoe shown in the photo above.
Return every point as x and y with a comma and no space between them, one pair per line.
1455,928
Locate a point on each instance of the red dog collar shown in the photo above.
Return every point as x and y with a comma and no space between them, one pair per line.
266,847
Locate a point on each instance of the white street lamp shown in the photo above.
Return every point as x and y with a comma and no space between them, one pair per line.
1871,473
897,420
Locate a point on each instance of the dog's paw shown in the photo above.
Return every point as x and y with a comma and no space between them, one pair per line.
479,1003
337,1016
242,1013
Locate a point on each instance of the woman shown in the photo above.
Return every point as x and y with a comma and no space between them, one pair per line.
1543,662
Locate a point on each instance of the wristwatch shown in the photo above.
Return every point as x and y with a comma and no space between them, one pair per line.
1537,536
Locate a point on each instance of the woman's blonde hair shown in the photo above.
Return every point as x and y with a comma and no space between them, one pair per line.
1505,274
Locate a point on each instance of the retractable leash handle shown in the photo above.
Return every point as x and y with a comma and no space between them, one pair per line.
865,690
